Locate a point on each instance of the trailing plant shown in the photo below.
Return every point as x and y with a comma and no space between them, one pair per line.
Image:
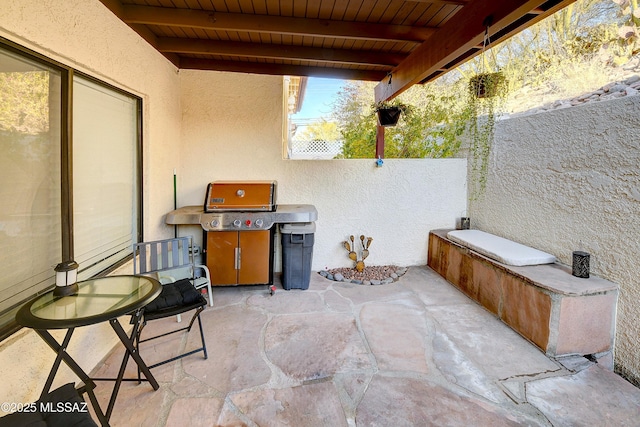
487,92
486,85
395,103
483,112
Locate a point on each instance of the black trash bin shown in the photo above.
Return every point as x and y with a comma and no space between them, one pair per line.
297,253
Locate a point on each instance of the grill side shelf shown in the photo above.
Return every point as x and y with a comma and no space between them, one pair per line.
283,214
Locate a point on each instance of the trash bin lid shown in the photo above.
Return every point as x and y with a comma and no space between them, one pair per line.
298,228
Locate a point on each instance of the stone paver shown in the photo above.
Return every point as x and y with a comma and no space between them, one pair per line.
311,405
589,395
398,345
311,346
392,401
416,352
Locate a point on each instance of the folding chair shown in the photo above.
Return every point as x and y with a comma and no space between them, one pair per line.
162,258
170,260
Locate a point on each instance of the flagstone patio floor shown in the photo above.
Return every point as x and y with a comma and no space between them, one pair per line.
413,353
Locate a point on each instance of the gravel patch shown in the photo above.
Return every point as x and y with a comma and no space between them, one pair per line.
371,275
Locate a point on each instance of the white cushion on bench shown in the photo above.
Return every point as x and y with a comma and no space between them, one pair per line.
500,249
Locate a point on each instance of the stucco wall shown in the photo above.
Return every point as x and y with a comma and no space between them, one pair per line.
232,130
569,180
85,35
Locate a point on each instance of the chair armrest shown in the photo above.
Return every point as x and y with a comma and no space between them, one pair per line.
206,271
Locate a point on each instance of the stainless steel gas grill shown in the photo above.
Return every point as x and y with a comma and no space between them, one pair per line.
238,242
238,219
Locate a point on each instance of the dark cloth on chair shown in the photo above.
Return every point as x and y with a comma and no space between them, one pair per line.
181,292
62,407
176,297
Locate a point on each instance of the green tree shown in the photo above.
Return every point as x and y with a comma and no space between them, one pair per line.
431,129
320,131
355,121
548,54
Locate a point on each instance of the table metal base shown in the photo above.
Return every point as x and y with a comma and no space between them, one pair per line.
89,383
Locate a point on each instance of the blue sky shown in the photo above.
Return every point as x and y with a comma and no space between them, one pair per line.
319,96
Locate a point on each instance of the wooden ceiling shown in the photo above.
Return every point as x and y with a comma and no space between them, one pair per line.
396,42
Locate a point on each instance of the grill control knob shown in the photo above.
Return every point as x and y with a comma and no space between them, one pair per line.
259,223
237,223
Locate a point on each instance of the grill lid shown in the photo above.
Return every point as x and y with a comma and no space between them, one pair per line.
240,196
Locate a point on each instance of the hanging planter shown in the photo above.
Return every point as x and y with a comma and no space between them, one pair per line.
389,116
486,85
389,113
487,92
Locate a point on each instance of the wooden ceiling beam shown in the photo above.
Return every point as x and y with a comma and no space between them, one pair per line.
186,18
457,40
280,69
273,51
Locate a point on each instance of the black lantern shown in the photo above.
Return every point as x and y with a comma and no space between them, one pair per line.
465,223
581,264
66,277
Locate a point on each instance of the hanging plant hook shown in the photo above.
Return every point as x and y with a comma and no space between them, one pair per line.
488,21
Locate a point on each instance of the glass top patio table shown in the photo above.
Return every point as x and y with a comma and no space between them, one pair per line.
98,300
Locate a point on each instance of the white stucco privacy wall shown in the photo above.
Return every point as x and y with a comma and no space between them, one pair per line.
569,180
87,36
232,130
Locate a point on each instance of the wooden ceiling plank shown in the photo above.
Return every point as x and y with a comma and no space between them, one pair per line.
148,15
244,6
444,14
364,10
280,69
425,16
443,2
219,5
351,9
280,7
385,15
191,4
325,9
260,50
379,10
401,15
334,9
454,39
313,9
233,6
259,7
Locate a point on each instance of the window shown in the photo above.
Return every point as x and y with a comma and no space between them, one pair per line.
55,205
105,210
30,170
